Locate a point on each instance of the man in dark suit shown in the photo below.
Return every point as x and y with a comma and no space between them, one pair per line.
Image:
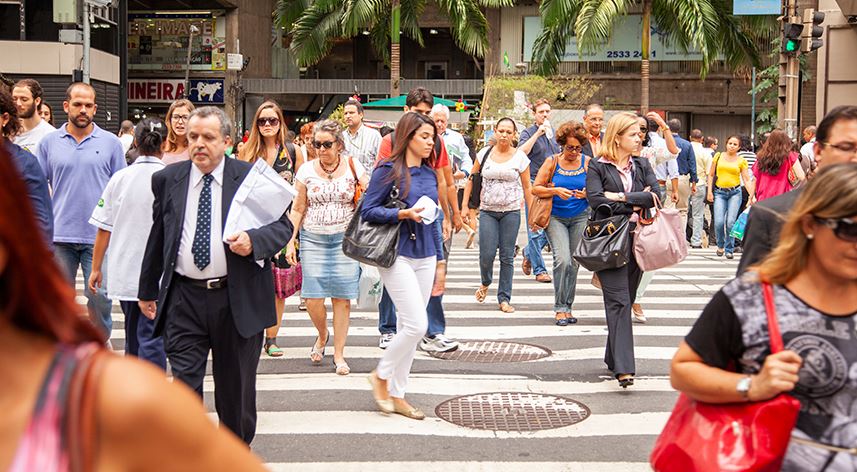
212,296
593,121
836,143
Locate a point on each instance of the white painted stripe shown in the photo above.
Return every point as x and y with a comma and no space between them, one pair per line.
490,332
671,287
470,466
371,422
452,384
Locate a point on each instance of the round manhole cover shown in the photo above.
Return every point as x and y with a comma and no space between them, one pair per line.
508,411
494,351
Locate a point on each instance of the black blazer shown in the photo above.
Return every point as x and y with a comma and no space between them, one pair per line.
587,146
602,177
764,224
251,287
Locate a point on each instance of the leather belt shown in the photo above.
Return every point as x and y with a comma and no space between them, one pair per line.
208,284
662,182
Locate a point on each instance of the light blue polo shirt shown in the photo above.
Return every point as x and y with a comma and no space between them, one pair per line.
77,174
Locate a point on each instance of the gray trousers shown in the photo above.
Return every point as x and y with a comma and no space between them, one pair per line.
619,288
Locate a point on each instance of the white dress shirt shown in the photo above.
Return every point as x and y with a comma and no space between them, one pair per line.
184,262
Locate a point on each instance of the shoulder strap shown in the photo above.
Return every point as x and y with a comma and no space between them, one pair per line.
351,166
293,154
82,426
776,338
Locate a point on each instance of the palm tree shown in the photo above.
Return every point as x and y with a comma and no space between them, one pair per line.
706,26
316,24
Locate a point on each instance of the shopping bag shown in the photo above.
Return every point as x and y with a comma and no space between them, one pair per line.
369,287
740,225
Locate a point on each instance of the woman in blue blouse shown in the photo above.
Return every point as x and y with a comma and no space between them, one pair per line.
420,261
567,172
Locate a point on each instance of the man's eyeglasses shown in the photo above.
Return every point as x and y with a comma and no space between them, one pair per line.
844,228
573,149
845,147
268,122
323,144
183,118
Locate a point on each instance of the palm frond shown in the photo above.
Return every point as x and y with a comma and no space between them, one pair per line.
287,12
557,29
379,36
594,22
359,14
412,10
314,32
496,3
469,25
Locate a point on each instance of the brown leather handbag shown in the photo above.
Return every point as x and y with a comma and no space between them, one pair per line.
540,209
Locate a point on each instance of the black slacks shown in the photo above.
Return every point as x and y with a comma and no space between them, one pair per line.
198,321
619,288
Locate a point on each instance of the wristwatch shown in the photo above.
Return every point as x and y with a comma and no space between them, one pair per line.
622,197
743,386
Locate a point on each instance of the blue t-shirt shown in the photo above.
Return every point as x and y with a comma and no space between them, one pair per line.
542,149
572,180
78,173
423,182
37,188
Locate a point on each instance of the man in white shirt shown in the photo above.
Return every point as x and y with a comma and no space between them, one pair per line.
126,135
123,215
697,200
27,95
361,142
459,153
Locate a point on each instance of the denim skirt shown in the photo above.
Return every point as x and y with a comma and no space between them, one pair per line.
327,271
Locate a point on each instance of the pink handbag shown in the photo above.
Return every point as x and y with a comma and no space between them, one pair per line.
659,241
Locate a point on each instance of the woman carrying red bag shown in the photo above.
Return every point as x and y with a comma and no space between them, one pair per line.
726,359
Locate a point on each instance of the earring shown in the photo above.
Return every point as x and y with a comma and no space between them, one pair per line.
810,236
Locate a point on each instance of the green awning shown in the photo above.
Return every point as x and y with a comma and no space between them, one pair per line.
399,102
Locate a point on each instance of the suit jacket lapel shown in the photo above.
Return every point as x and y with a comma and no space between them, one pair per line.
231,182
614,174
178,194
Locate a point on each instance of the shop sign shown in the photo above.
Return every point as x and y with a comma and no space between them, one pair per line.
160,41
757,7
202,91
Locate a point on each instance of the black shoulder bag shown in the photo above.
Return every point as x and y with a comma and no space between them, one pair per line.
605,243
476,182
375,244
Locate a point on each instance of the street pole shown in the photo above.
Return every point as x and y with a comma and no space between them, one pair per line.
787,107
753,112
87,36
193,29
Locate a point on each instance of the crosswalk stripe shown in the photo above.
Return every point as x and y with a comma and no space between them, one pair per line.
462,466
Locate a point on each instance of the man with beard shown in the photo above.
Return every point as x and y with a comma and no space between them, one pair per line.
78,161
361,141
27,95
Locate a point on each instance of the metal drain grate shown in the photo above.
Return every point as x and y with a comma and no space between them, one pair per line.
494,352
509,411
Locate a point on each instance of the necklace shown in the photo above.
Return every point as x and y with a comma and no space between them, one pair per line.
330,172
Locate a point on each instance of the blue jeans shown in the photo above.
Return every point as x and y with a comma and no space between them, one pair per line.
436,317
727,204
564,235
71,256
536,241
498,230
139,340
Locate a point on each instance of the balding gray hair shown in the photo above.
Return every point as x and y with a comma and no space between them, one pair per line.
440,109
225,122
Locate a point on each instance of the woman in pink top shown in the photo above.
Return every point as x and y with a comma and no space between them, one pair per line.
175,148
772,166
140,421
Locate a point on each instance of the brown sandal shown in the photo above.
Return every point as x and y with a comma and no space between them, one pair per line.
505,307
481,293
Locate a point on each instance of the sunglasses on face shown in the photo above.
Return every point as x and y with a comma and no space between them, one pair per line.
844,228
323,144
268,122
573,149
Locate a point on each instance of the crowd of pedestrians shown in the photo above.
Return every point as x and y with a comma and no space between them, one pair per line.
193,288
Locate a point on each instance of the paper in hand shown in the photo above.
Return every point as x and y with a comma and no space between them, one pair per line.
261,199
430,210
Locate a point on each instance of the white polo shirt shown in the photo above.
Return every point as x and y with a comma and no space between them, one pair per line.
125,210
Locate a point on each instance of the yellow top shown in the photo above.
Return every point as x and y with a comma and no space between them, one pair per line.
729,173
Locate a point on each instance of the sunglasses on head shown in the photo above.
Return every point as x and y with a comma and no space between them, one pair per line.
844,228
323,144
571,148
268,121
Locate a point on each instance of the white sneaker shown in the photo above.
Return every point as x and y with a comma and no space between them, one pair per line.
386,339
440,343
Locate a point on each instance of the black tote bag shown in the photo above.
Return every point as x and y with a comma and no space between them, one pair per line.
605,243
375,244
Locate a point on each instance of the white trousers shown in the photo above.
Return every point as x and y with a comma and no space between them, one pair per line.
409,283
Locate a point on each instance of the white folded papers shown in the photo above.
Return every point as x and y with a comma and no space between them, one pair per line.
430,210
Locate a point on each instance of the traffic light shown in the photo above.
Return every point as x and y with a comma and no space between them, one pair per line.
812,21
792,37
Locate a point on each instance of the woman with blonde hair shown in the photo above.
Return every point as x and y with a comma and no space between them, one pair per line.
619,182
320,213
726,358
268,141
176,146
